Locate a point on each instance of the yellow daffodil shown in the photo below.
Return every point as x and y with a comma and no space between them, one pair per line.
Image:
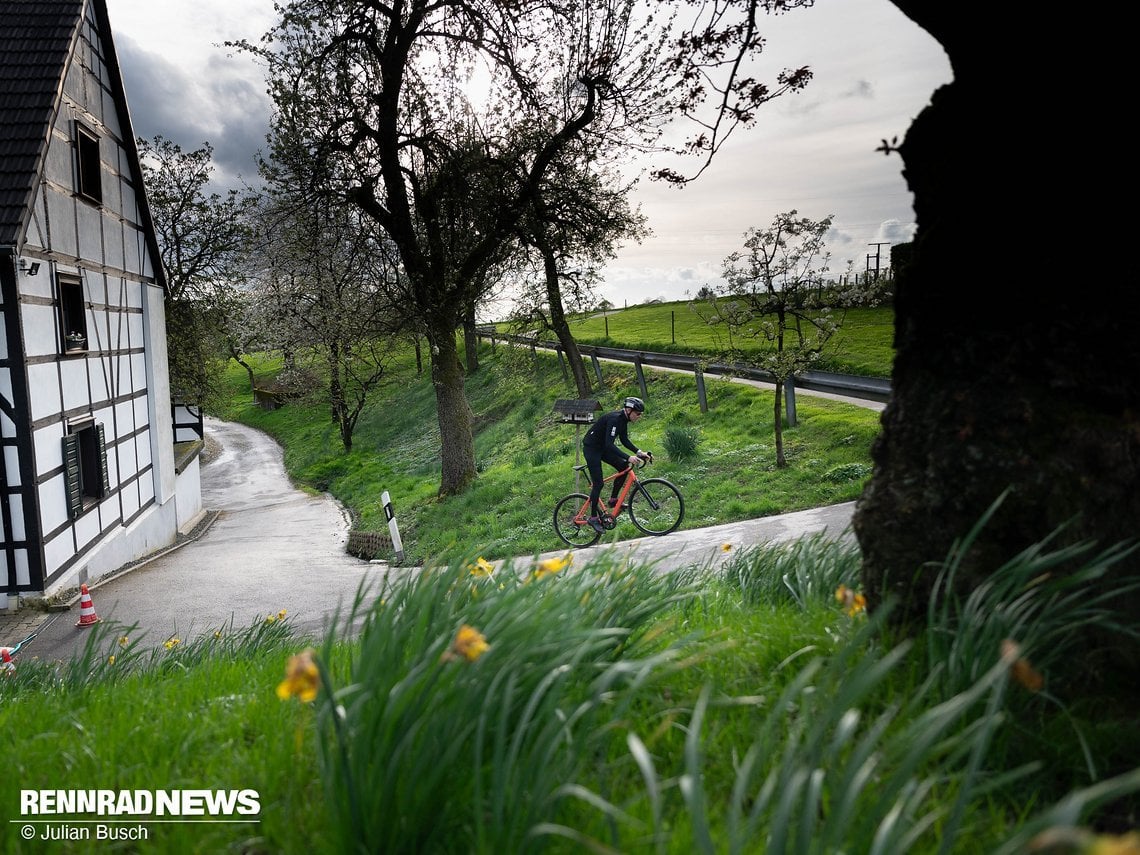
1020,668
217,633
171,643
123,641
726,547
553,565
853,603
482,567
111,659
1111,844
469,644
281,614
301,677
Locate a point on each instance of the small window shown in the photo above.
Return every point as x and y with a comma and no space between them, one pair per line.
85,467
72,314
89,169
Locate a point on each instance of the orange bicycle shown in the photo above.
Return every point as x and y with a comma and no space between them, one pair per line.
655,506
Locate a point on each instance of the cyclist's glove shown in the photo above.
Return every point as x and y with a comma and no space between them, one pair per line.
646,455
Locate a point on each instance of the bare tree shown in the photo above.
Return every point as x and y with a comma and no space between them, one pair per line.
324,280
577,219
203,240
388,92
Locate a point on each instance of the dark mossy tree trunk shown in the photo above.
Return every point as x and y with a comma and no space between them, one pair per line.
558,321
471,340
457,444
1007,375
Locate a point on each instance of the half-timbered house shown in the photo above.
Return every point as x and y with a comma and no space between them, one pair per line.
90,476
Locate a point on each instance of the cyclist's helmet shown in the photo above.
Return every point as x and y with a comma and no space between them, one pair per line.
635,404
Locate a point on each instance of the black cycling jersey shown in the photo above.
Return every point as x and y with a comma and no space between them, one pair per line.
604,434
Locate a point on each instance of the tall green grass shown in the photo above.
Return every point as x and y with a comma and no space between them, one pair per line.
612,708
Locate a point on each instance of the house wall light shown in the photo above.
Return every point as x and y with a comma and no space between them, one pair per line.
31,269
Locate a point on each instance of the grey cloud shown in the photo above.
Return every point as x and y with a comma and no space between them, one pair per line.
190,107
861,89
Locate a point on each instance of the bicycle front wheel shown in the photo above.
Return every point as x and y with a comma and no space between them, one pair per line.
570,521
656,506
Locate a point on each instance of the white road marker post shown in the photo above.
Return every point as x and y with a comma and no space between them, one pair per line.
393,529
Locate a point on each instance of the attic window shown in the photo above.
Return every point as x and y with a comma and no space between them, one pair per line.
89,170
72,314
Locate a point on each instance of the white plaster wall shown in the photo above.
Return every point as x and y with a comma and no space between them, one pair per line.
39,322
43,388
23,574
39,285
73,374
188,494
53,504
12,466
158,381
98,374
57,552
47,443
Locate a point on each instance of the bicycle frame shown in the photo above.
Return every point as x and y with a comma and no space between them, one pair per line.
619,505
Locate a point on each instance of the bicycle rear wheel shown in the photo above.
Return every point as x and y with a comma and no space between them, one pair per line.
566,512
656,506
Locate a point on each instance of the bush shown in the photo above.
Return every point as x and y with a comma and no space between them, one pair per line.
846,472
681,442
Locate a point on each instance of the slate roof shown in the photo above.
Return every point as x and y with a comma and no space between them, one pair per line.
35,43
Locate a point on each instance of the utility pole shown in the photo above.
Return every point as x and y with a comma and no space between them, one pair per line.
877,256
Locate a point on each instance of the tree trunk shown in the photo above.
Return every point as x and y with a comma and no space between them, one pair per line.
561,327
457,445
471,340
1002,379
236,357
778,422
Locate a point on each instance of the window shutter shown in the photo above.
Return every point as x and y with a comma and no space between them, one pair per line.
72,484
104,477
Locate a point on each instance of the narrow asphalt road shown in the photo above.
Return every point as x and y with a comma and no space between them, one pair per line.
275,547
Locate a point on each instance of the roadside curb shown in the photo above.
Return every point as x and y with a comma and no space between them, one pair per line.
26,618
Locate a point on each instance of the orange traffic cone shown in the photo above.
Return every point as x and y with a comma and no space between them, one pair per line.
87,615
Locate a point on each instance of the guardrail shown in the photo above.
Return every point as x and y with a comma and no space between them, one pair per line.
849,385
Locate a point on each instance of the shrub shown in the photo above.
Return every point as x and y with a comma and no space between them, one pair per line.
846,472
681,442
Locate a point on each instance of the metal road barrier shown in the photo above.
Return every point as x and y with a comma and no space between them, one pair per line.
849,385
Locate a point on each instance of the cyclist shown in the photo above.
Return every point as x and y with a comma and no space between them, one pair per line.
600,443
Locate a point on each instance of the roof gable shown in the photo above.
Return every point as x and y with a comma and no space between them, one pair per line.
36,39
38,44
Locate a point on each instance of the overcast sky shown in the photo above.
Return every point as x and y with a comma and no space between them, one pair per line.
874,71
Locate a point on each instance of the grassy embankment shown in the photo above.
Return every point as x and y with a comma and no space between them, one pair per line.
862,346
525,455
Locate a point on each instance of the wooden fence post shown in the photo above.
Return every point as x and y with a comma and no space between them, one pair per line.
790,400
701,390
597,368
562,363
640,377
